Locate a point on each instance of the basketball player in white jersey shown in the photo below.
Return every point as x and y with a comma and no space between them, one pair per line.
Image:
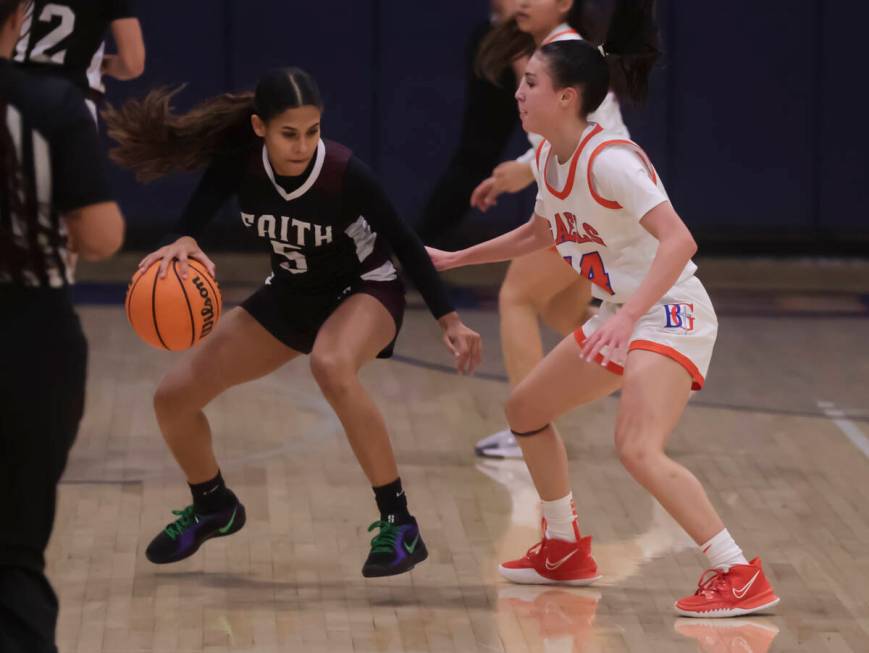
604,207
537,286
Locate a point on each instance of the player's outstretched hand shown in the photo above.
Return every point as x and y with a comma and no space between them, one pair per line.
465,344
182,249
442,260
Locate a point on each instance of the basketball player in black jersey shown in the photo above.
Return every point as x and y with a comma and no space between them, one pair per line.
54,200
333,292
67,38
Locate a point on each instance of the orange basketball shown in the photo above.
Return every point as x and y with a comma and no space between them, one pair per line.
173,313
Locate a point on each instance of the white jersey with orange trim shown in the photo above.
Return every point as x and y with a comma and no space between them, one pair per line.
608,114
594,202
600,238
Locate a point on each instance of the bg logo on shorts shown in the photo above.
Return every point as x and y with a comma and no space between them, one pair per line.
679,316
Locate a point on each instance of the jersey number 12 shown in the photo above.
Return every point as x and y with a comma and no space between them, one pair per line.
39,54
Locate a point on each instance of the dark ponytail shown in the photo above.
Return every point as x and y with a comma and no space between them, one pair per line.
631,48
153,141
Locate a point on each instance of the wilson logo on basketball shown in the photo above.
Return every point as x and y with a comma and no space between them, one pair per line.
207,311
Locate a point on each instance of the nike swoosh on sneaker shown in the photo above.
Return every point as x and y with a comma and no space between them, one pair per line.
740,593
552,566
411,547
225,529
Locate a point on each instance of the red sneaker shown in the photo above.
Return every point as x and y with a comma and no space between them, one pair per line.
743,589
551,562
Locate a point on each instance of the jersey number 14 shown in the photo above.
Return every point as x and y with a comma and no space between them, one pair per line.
591,267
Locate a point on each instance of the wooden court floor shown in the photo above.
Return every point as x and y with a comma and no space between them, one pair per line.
780,438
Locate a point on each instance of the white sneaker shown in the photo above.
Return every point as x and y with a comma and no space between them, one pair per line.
499,445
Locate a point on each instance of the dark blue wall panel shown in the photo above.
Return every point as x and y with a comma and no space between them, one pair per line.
741,121
331,39
843,139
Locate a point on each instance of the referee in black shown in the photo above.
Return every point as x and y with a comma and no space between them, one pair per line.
54,205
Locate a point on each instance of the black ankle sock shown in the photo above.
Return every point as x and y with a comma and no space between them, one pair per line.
212,496
392,503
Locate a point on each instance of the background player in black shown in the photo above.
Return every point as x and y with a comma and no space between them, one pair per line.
333,291
489,119
53,198
67,37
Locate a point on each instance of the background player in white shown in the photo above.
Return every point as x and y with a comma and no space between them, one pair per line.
602,203
537,286
67,38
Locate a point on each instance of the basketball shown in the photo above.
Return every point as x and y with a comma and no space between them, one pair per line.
173,313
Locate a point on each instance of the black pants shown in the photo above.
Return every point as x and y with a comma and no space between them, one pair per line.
43,360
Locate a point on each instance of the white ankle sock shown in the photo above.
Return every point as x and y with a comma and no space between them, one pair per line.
560,516
723,552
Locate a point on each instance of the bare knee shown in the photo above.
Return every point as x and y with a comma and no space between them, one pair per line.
636,451
333,373
522,414
174,396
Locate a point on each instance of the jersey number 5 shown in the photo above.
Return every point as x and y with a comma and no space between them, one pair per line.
591,268
296,262
39,54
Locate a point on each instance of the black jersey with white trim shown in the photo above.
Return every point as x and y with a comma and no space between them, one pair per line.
324,230
66,37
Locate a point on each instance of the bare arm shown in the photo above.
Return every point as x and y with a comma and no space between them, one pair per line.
676,246
95,231
530,237
129,62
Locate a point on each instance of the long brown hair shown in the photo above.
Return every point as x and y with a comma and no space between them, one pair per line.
153,141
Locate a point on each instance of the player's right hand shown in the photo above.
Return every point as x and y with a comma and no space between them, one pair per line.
485,195
182,249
